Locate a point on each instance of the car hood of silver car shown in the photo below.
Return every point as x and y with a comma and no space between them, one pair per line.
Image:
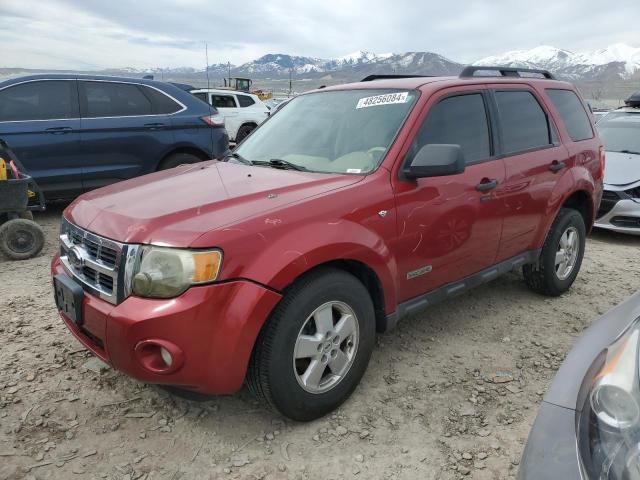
622,171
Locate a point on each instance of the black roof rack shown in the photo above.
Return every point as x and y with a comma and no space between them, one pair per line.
470,71
370,78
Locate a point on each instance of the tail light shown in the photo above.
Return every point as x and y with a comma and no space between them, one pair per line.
216,120
602,158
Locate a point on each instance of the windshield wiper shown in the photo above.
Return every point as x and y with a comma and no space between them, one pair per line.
283,164
239,157
628,151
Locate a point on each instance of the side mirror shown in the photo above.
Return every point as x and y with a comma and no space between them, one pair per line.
436,160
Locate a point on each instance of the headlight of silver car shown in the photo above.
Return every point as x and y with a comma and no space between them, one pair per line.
167,272
608,412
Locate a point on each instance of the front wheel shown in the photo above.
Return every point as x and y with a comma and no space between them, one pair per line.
561,255
313,351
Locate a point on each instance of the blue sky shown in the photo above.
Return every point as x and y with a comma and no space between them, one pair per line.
86,34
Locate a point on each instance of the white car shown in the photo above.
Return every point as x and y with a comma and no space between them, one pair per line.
620,205
242,111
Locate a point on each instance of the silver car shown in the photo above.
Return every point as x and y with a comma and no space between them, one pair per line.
620,132
588,426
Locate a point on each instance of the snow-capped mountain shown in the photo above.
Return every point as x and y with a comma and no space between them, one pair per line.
618,60
280,64
354,63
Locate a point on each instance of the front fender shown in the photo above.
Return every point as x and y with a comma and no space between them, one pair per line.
281,258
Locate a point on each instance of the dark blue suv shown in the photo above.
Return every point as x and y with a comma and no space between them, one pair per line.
74,133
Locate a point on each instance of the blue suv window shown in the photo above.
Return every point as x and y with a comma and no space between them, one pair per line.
40,100
113,99
161,103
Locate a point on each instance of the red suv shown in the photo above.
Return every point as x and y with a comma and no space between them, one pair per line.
348,209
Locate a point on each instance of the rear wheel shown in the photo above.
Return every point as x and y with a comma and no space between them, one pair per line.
178,159
21,239
561,256
243,131
316,346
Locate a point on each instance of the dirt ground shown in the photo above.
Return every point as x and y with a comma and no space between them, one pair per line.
451,393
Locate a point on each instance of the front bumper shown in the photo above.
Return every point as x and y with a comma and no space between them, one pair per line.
623,217
551,451
214,327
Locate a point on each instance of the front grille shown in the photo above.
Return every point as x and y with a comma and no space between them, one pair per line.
626,222
95,249
99,264
609,200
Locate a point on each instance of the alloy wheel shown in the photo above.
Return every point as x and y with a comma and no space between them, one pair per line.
326,347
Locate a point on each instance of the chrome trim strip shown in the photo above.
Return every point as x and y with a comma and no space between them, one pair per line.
184,107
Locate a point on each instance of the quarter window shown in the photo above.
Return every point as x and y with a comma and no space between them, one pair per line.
160,103
245,100
43,100
459,120
523,123
113,99
572,113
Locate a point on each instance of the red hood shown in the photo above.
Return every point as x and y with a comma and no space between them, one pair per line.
174,207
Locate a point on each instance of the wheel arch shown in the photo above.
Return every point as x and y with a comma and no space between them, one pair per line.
366,275
581,201
579,198
183,149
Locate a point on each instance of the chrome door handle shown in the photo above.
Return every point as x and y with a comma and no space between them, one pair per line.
487,184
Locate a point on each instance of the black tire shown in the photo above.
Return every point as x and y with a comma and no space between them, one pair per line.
243,131
178,159
542,277
21,239
272,375
27,215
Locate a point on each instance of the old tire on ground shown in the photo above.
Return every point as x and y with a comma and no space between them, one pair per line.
561,256
178,159
27,215
243,131
21,239
315,347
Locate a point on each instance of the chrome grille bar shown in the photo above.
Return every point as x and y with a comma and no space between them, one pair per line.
97,263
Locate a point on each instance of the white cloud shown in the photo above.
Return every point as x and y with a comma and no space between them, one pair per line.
157,33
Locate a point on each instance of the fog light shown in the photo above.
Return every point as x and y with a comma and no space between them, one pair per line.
159,356
166,356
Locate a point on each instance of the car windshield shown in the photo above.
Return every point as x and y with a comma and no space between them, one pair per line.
346,131
620,132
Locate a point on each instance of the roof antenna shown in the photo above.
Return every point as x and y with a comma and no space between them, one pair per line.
206,70
206,56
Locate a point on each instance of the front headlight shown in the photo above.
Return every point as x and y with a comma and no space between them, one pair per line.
608,411
167,272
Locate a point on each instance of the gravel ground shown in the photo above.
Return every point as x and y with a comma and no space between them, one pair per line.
451,393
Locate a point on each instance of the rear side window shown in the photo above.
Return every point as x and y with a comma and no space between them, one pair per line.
43,100
223,101
160,103
113,99
572,113
459,120
245,100
523,122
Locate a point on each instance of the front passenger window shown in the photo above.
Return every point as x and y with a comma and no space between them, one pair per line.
459,120
40,100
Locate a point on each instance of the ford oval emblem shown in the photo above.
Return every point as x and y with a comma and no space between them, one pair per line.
75,257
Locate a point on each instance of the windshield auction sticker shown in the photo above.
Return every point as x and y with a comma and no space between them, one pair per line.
386,99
